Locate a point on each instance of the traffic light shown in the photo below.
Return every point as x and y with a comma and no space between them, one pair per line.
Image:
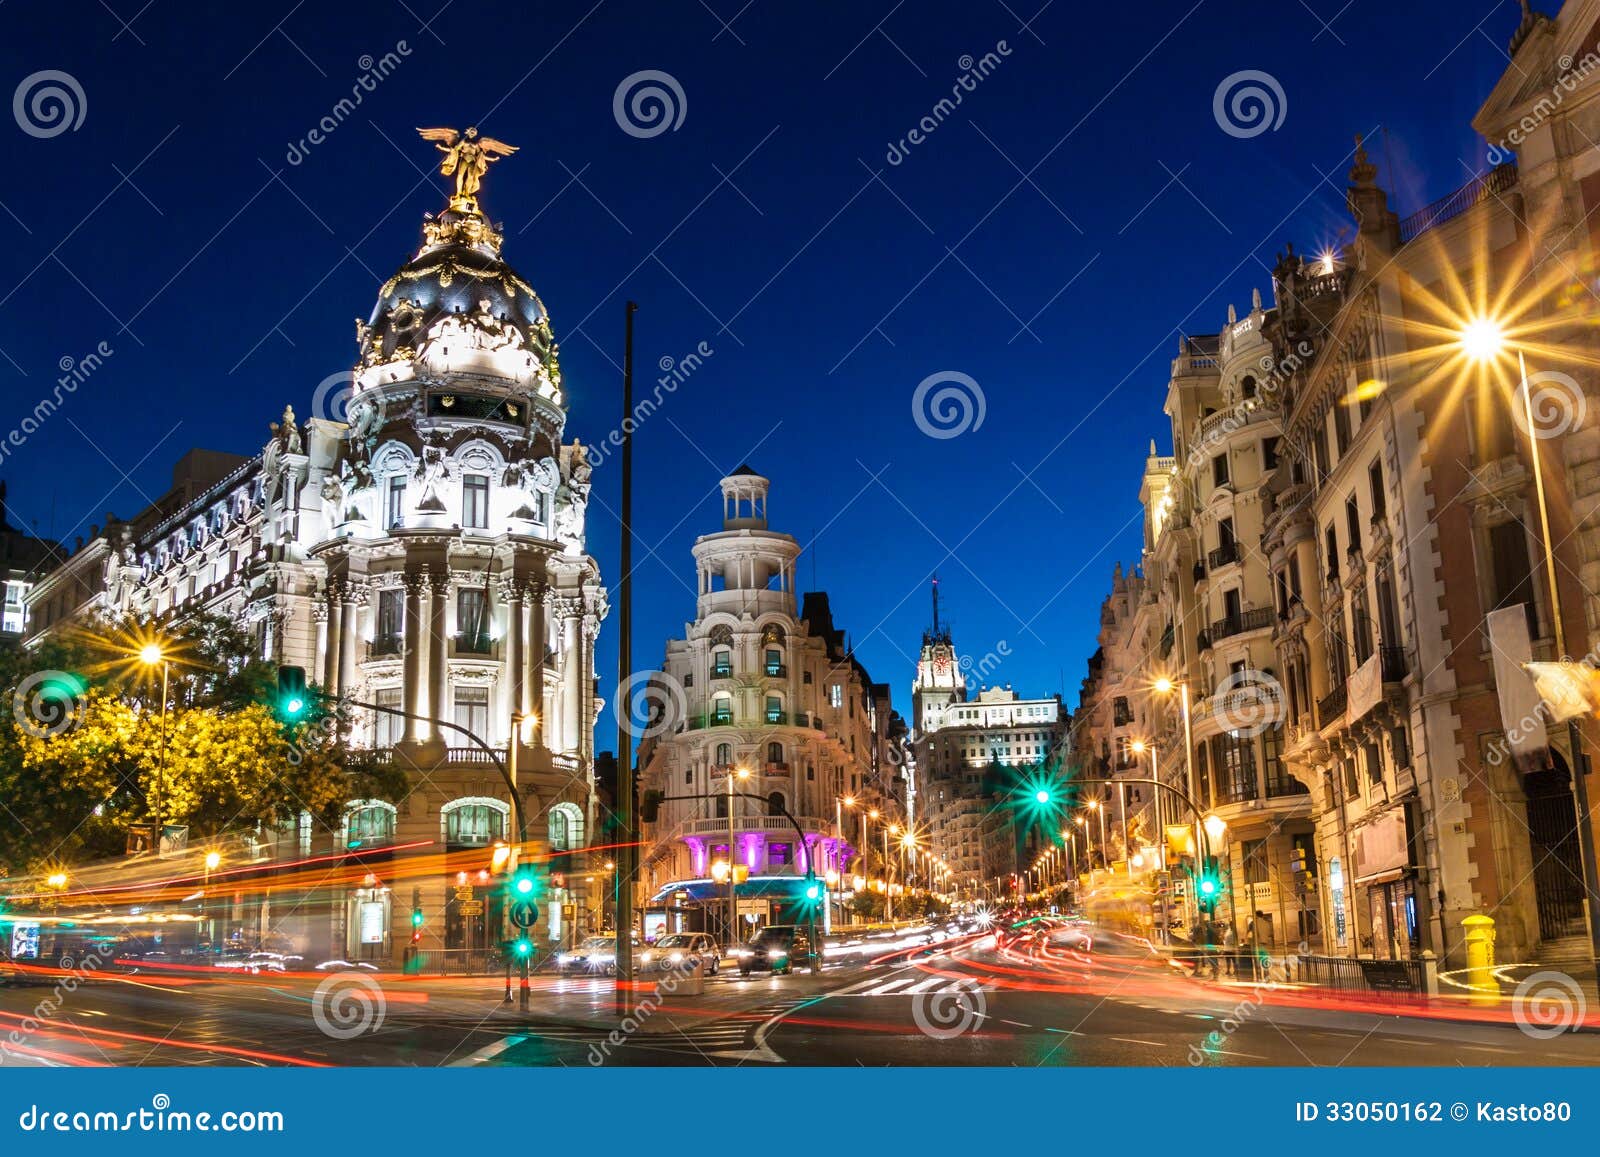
524,884
650,806
1209,887
522,948
293,702
416,915
814,891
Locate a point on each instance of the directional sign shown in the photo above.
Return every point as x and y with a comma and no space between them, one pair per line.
524,913
470,908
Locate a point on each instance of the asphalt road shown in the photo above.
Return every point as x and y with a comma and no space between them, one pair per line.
1058,1001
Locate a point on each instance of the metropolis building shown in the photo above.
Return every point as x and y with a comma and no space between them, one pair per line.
765,696
421,550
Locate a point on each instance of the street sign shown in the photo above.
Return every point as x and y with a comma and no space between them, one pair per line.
524,913
463,891
470,908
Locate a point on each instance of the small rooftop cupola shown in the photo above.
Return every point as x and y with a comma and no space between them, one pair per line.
744,500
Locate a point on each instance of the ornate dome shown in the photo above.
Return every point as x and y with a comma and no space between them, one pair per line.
459,272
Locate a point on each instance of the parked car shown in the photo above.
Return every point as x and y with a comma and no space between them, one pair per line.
674,950
778,948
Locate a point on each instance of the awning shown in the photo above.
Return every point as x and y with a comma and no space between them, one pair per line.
756,887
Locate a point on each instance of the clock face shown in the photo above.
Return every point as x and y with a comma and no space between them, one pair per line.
941,664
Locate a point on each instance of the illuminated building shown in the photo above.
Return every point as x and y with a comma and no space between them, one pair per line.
417,544
761,685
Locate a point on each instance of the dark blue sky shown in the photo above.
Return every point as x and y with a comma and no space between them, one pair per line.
769,225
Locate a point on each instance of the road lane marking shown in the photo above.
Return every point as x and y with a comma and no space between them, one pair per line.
488,1052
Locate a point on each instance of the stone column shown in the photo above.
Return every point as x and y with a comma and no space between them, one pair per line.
416,584
438,647
571,612
533,655
515,666
330,638
347,638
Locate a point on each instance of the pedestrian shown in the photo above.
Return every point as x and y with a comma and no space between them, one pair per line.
1230,949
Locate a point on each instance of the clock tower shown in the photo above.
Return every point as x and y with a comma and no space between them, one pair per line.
939,681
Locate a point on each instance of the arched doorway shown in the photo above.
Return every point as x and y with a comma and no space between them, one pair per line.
1553,842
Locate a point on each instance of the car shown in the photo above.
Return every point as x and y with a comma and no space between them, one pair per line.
595,954
674,950
777,948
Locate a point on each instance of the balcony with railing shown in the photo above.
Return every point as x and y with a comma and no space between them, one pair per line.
1330,707
474,643
1394,664
1480,188
1225,555
1253,619
386,646
776,670
722,670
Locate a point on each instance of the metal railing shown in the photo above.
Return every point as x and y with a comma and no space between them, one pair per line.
1331,706
1402,980
1223,555
1249,620
1491,184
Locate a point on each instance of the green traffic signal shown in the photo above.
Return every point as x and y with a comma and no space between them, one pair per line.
1041,796
292,700
523,948
813,891
416,918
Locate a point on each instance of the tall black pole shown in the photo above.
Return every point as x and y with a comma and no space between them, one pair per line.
627,854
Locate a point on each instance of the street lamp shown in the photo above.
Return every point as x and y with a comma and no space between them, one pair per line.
733,883
1165,686
152,655
212,860
839,804
1483,340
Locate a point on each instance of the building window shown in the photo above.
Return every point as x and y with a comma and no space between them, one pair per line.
721,663
1219,470
724,755
472,710
1400,747
473,824
775,753
774,709
472,620
1375,484
722,709
1374,758
1236,768
780,855
774,661
1511,572
1255,860
1279,781
835,695
367,824
475,501
386,639
775,804
395,509
387,729
1269,453
566,827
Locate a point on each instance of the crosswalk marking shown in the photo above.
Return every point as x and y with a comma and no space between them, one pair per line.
915,986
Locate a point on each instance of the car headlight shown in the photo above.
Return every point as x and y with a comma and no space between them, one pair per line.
564,958
741,952
675,958
775,954
646,957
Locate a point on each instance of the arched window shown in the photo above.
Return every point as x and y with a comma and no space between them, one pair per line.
474,822
775,752
775,804
774,708
566,827
722,709
721,663
724,755
367,822
772,639
1247,386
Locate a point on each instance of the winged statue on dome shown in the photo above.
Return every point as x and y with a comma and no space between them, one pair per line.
467,157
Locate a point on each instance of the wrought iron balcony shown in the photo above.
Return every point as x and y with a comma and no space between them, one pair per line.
1331,706
1224,555
721,670
1249,620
